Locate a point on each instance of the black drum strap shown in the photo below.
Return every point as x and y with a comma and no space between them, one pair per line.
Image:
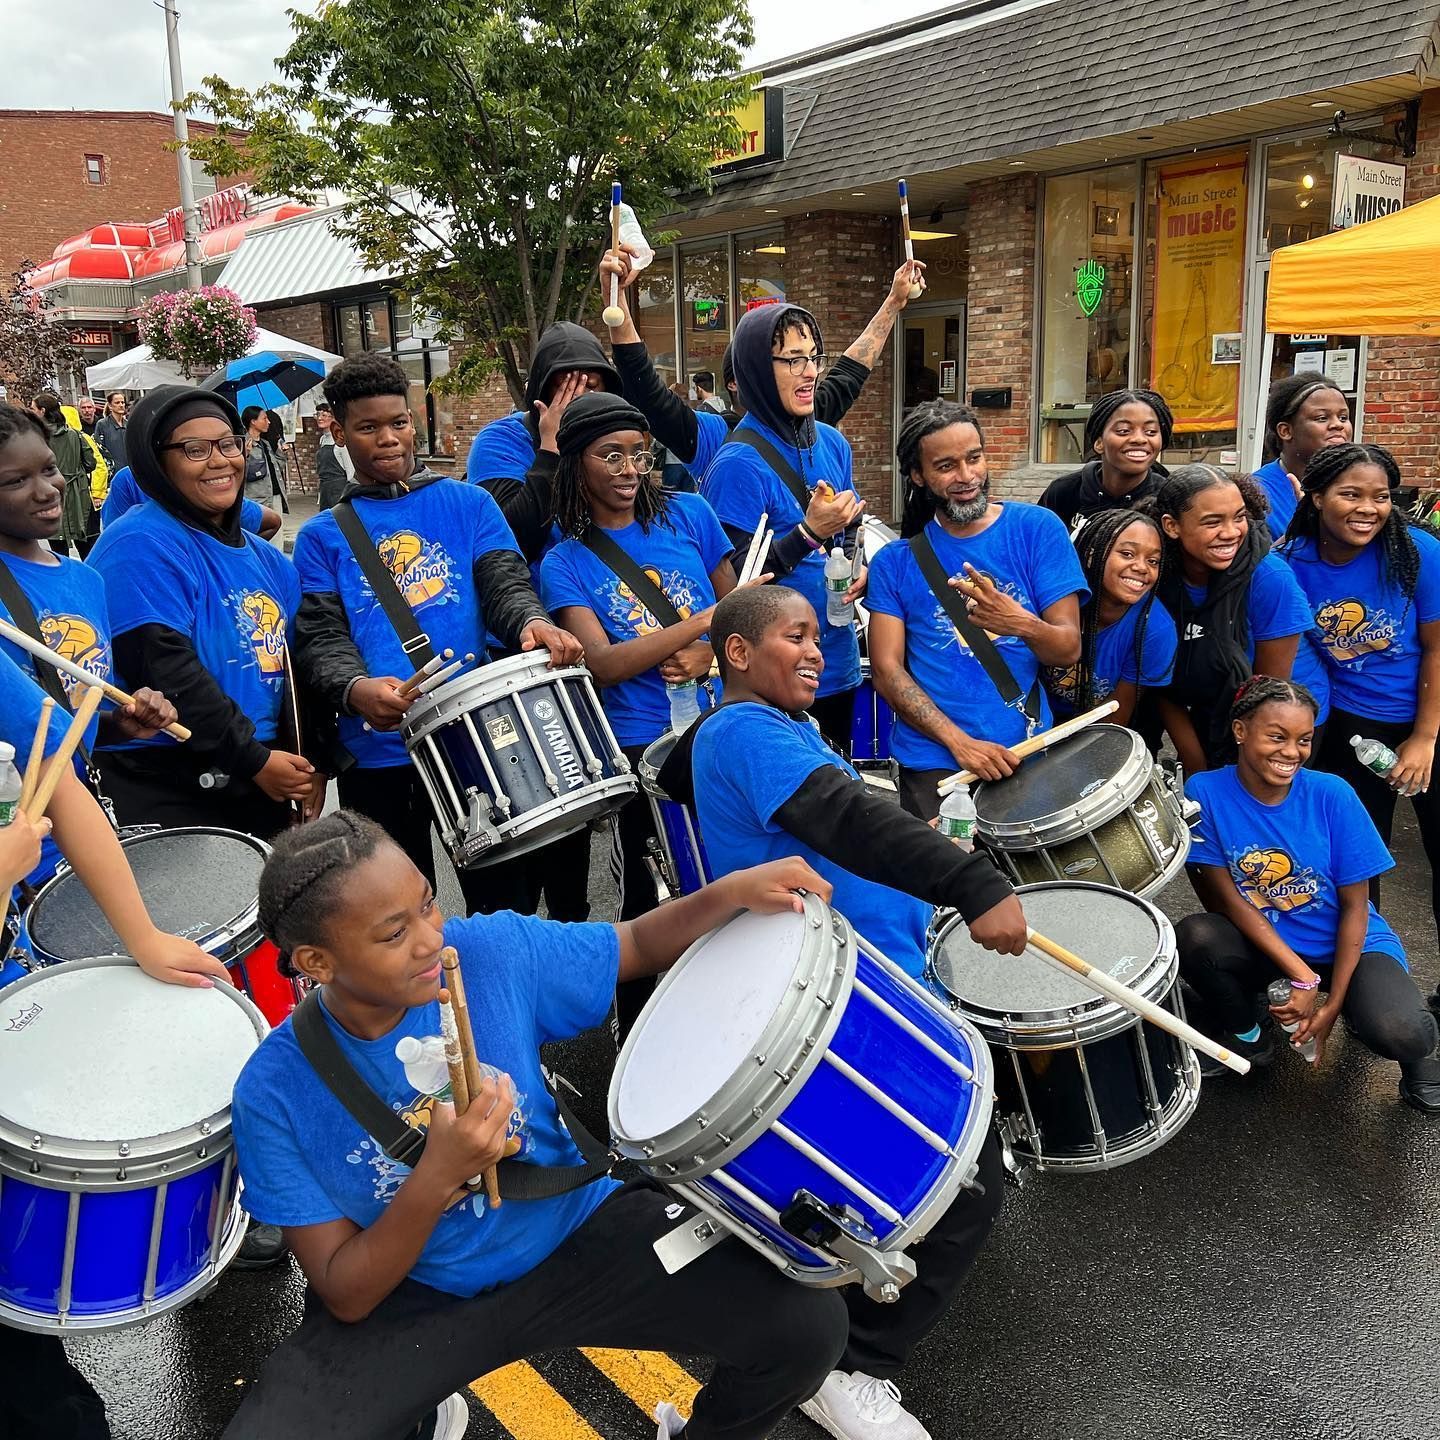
642,587
413,640
785,472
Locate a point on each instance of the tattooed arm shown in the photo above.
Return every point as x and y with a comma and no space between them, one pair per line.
887,670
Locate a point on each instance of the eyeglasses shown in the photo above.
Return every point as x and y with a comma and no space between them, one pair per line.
197,450
797,363
616,462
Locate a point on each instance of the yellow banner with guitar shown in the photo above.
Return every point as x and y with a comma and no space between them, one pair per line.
1199,286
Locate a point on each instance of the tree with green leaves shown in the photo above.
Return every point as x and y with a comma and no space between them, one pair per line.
36,352
476,142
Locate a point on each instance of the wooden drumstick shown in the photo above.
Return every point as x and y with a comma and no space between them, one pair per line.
435,681
41,651
916,290
1133,1000
454,1059
408,687
1042,741
613,315
60,760
455,984
37,753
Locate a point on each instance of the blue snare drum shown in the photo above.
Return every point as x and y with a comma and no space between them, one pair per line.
798,1087
118,1190
682,863
873,725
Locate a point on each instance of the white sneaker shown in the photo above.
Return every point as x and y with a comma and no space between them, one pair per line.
452,1418
670,1420
859,1407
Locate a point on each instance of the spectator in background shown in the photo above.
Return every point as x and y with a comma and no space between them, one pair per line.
275,439
262,464
704,382
333,465
89,414
110,431
75,460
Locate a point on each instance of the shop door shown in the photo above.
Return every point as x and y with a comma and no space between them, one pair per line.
932,349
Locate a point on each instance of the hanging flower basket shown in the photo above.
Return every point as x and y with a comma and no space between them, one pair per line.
198,330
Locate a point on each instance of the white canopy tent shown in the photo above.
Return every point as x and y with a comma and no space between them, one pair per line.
137,369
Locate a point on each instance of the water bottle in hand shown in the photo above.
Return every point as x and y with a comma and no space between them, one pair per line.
957,818
9,784
684,704
1279,994
838,611
1374,756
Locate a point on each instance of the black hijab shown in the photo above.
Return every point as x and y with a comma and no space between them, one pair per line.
155,418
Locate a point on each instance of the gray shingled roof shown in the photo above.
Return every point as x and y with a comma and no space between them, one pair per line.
1066,71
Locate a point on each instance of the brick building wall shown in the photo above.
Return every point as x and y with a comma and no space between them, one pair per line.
45,196
471,414
1402,389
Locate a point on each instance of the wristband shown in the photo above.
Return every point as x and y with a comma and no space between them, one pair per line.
1305,984
814,541
345,707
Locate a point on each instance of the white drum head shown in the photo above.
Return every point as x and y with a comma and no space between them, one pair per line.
101,1052
705,1021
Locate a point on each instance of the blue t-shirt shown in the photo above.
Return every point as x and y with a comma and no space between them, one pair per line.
1273,480
20,702
503,450
679,557
1288,860
305,1161
712,430
1367,631
1115,659
124,494
430,539
748,761
742,487
1028,552
236,605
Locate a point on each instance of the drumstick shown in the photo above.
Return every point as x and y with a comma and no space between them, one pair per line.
435,681
406,687
1042,741
60,760
454,1058
916,290
747,567
41,651
455,983
37,753
613,315
1134,1000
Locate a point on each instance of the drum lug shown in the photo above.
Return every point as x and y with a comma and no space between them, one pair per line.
1010,1162
840,1230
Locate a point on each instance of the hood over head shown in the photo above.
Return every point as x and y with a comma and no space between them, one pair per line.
155,418
565,347
755,370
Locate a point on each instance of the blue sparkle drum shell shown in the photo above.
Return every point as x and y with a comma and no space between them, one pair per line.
119,1196
784,1057
684,865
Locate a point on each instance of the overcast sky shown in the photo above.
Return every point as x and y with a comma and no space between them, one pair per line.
110,54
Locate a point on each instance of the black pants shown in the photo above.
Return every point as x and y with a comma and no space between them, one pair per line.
394,797
773,1340
1383,1006
634,829
1375,794
159,787
917,790
835,715
43,1396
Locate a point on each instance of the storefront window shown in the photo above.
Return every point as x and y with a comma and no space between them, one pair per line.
760,270
705,322
945,248
1089,259
656,318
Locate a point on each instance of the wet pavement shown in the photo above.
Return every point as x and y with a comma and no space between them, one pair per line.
1273,1271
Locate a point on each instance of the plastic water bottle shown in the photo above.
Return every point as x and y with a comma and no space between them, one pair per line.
1373,755
838,611
9,784
684,705
425,1067
1279,994
957,818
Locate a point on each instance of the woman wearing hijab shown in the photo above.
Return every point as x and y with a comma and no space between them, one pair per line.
201,610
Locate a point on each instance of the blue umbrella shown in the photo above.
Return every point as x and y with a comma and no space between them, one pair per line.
265,379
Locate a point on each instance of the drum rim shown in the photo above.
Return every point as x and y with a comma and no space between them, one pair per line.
611,793
1095,1019
239,933
649,772
753,1096
440,707
63,1162
1115,793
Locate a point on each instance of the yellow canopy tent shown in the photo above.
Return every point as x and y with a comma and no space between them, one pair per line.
1380,278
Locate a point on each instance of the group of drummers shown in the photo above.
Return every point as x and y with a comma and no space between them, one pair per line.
1259,649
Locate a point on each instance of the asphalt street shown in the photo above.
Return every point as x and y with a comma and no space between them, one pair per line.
1273,1271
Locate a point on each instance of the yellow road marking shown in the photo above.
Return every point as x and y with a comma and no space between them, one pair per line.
647,1377
529,1407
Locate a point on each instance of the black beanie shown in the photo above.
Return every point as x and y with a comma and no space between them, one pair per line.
594,414
154,419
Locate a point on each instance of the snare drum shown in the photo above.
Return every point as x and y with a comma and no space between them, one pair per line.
198,882
684,866
873,724
514,755
1089,1085
1094,807
799,1088
118,1189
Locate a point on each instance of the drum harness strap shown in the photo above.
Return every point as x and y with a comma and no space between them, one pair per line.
768,452
981,645
406,1144
413,640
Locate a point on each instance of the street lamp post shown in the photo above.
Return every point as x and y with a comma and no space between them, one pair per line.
189,210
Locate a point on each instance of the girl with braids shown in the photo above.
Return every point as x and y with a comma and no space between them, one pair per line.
1304,414
1373,583
1127,642
413,1292
1125,433
1236,606
1281,860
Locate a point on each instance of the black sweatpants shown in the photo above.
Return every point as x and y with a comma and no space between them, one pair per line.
1383,1005
918,792
773,1339
43,1396
157,787
394,797
835,715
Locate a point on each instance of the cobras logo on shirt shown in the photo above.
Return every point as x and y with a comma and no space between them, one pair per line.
421,569
74,637
628,612
1269,880
262,622
1348,630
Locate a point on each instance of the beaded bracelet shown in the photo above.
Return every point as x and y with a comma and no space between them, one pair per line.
1305,984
